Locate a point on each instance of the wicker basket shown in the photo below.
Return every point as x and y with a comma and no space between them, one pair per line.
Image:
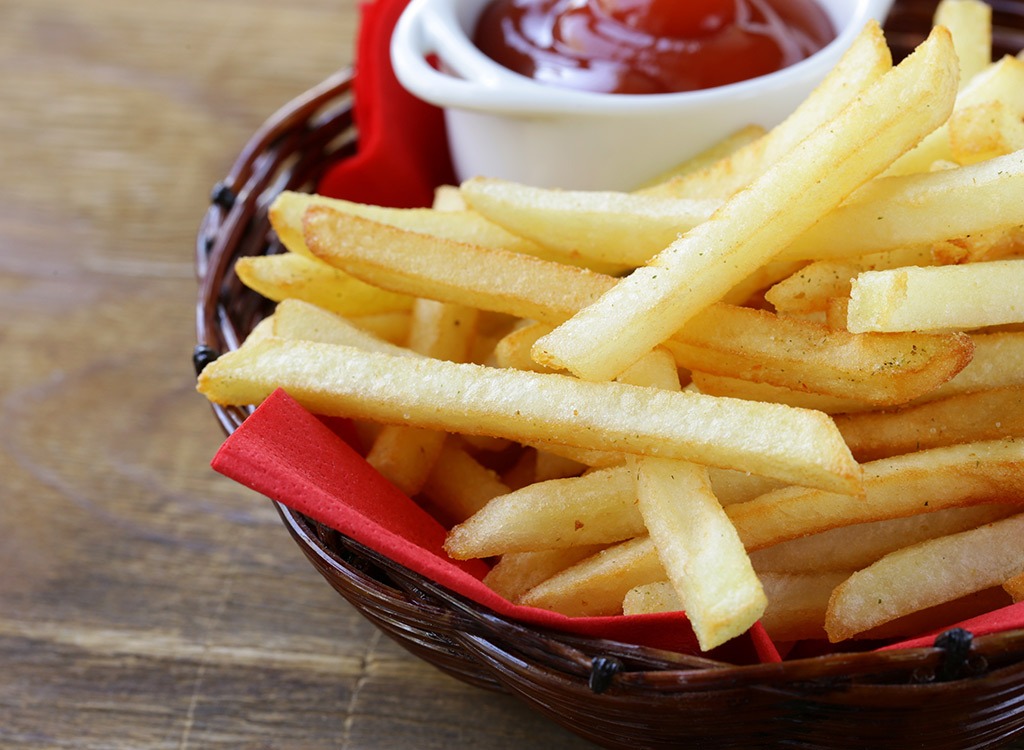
963,692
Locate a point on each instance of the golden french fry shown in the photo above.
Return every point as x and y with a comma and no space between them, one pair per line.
699,549
458,485
392,327
518,572
919,209
289,207
920,576
857,546
970,24
650,598
755,225
1003,81
596,508
797,603
938,298
1015,587
597,585
804,356
295,319
614,229
526,406
289,275
962,418
922,482
810,288
998,361
984,131
717,385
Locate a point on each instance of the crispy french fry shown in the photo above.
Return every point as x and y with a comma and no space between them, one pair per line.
804,356
919,576
1003,81
857,546
699,549
596,508
289,275
612,228
518,572
919,209
458,485
998,361
1015,587
984,131
962,418
717,385
755,225
970,24
597,585
810,288
289,207
341,380
295,319
662,184
922,482
974,295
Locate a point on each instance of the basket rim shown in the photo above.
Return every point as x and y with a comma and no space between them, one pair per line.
255,176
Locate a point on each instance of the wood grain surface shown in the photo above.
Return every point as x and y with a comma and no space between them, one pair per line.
146,602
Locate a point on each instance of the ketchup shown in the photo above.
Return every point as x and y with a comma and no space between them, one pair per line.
650,46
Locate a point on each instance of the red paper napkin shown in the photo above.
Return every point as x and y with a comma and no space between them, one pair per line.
305,463
402,151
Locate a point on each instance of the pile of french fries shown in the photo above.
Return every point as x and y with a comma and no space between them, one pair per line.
784,382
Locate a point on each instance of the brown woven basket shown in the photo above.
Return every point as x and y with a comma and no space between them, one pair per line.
963,692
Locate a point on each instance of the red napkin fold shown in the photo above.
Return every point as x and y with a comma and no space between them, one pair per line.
284,452
403,150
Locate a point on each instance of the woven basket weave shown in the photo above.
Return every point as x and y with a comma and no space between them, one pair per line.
963,692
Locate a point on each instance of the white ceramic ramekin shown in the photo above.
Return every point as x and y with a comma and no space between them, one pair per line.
502,124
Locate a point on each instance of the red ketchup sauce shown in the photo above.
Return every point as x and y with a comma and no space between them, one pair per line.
650,46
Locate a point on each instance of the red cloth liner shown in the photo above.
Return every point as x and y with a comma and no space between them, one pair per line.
284,452
402,151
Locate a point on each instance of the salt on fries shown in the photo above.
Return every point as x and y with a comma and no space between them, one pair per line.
657,400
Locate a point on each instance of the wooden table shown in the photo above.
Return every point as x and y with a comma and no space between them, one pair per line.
146,602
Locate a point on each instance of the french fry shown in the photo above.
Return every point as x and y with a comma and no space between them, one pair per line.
1015,587
922,482
518,572
853,547
810,288
596,508
289,275
405,455
662,184
295,319
526,406
919,209
755,225
984,131
597,585
699,550
970,24
938,298
1003,81
728,387
919,576
963,418
998,361
458,485
612,228
804,356
289,207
